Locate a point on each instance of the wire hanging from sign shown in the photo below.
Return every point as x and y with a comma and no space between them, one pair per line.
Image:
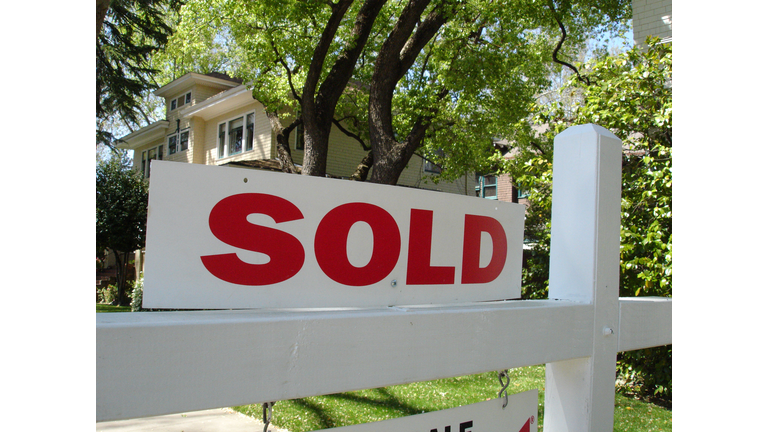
267,406
503,374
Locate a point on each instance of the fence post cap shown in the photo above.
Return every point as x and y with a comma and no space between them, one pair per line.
586,128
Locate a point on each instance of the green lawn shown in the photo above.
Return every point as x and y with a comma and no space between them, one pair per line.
322,412
110,308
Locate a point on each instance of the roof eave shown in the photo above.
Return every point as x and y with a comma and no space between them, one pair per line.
219,104
174,86
143,136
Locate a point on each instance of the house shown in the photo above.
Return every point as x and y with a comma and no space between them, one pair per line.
651,18
212,119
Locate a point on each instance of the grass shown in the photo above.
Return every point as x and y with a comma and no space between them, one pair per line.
110,308
323,412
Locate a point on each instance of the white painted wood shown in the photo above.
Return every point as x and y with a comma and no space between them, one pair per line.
520,414
182,197
584,267
645,322
154,363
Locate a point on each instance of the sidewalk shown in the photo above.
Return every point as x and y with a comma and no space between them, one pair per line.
214,420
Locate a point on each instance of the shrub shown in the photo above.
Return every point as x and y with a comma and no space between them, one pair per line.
106,295
137,294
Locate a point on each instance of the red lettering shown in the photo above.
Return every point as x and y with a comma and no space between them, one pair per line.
474,226
420,270
229,224
331,244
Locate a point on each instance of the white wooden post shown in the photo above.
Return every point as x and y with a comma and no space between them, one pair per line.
584,268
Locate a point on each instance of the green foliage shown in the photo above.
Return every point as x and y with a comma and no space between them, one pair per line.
121,212
132,32
121,205
631,95
137,294
106,295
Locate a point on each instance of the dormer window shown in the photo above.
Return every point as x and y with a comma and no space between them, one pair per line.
181,101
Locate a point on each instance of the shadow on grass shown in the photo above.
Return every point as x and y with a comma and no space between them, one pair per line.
383,399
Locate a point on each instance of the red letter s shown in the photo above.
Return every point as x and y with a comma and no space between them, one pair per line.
229,224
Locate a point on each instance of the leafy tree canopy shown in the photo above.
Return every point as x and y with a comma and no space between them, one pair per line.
129,32
437,78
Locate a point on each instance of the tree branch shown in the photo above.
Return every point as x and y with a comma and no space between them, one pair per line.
560,44
356,137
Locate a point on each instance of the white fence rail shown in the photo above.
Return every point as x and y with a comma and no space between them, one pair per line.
167,362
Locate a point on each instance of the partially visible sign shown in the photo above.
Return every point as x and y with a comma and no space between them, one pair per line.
520,415
231,238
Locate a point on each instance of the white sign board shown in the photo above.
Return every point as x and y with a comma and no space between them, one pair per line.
520,415
232,238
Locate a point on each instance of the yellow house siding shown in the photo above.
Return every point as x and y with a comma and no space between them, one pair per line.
197,140
415,176
202,92
344,154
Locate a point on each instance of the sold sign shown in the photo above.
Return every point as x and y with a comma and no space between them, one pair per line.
234,238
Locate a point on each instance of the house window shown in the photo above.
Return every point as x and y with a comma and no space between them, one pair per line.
486,187
178,142
172,144
147,156
181,101
234,137
184,140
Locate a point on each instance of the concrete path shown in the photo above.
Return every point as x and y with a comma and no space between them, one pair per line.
215,420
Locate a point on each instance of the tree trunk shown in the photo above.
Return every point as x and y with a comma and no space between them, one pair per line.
282,135
398,53
120,264
361,172
102,6
318,101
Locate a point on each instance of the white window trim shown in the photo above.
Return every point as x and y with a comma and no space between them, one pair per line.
226,153
174,101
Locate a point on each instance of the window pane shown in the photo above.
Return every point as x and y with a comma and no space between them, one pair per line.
172,145
188,98
173,104
222,139
183,141
181,101
249,136
236,136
